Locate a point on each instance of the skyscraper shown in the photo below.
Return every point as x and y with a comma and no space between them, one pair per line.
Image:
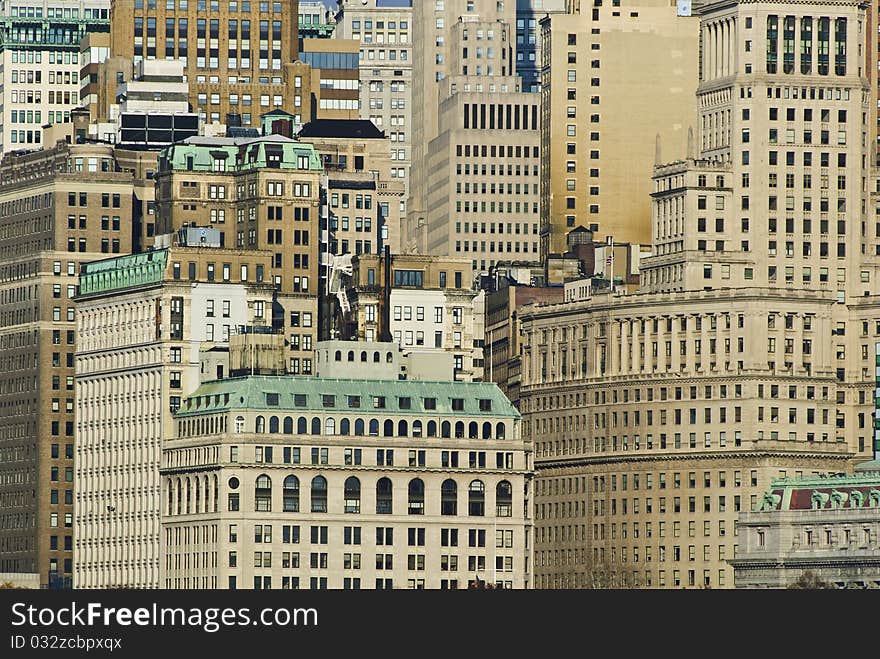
747,355
240,56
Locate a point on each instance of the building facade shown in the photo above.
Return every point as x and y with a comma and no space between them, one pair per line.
144,324
384,30
599,63
745,357
59,208
39,55
826,526
241,58
528,39
428,307
298,483
261,194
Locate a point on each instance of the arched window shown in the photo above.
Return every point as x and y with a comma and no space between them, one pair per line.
383,496
376,357
432,428
263,494
207,495
359,427
216,493
417,429
234,499
319,494
500,430
388,428
239,425
273,424
288,425
198,496
344,427
316,426
302,425
402,428
389,357
487,430
291,494
374,427
416,497
504,499
170,502
188,496
260,425
351,355
338,355
473,430
445,429
179,497
449,497
352,495
363,355
330,426
459,429
476,499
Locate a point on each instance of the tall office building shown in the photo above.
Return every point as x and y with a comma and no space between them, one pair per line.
151,326
384,29
269,484
528,39
605,69
261,194
39,64
476,158
240,57
59,208
747,356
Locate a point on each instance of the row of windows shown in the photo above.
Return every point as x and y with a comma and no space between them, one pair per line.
180,499
472,430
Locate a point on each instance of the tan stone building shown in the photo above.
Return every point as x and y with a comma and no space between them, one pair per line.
386,66
428,308
242,58
363,198
145,324
465,81
261,194
59,208
335,79
271,484
828,527
657,417
605,68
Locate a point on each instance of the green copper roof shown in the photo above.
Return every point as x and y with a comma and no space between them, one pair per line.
307,394
122,272
237,155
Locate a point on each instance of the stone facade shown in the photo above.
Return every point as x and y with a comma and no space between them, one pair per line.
345,484
144,323
826,526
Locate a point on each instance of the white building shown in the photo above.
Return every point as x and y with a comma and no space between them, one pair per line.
40,64
143,323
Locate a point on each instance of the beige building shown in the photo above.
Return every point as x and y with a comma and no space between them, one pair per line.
604,70
270,484
826,526
659,416
335,81
363,198
59,208
428,307
242,58
261,194
464,77
145,324
40,65
384,31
